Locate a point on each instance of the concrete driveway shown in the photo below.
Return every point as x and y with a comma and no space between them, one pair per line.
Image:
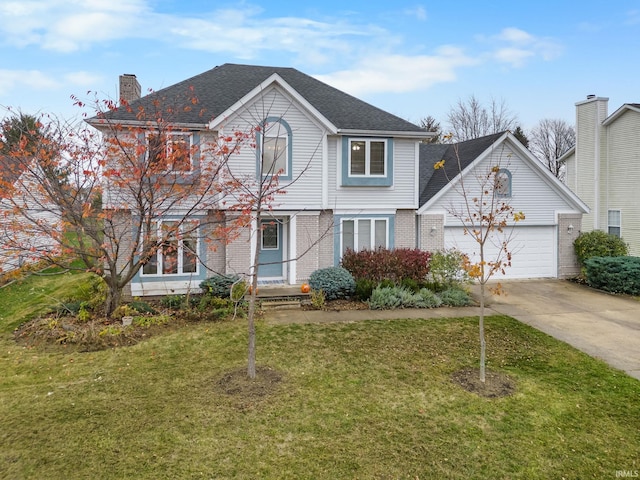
602,325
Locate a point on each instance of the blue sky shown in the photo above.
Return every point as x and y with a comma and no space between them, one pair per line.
411,58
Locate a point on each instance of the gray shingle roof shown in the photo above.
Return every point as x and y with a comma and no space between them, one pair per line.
221,87
432,181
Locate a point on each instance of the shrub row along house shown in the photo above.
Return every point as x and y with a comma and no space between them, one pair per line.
347,176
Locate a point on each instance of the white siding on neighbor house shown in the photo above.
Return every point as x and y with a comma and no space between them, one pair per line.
28,236
571,177
589,156
305,189
532,194
621,189
401,195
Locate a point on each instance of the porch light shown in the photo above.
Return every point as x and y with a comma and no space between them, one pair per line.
570,229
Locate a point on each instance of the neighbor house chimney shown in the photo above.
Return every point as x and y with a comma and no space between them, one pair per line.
129,88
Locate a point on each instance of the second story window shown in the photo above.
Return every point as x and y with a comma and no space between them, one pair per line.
274,152
366,162
274,156
367,157
170,152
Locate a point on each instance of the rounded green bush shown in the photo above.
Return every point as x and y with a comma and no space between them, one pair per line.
599,244
219,285
335,282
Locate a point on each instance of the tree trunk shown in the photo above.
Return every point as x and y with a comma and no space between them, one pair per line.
482,341
483,283
251,365
114,297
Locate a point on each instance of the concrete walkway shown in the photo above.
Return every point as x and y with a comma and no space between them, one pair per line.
602,325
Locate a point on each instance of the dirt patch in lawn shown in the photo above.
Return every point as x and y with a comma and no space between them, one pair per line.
247,392
496,385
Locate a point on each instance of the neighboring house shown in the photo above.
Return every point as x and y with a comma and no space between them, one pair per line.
20,240
350,171
603,168
542,244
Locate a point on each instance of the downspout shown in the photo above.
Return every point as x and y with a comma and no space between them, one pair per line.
596,173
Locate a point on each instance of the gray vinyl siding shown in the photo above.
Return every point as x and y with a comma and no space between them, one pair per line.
305,189
531,192
401,195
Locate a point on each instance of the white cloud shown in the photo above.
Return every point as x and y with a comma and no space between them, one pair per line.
399,73
513,56
418,12
83,79
32,78
515,47
68,25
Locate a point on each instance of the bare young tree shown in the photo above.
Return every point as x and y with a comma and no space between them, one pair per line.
470,119
550,139
484,210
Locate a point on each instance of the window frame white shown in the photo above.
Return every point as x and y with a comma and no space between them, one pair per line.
282,155
168,149
610,225
357,234
367,160
193,233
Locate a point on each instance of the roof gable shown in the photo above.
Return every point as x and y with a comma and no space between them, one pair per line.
457,157
222,87
475,151
634,107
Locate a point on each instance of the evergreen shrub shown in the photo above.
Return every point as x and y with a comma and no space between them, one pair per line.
335,282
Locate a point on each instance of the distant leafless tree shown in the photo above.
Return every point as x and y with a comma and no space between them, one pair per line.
470,119
550,139
430,124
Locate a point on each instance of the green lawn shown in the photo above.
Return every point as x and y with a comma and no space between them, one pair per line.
364,400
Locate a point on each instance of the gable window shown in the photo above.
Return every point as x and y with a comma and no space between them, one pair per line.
274,156
364,234
175,245
170,152
367,162
503,183
274,148
614,222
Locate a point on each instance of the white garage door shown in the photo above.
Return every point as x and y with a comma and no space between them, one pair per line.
533,251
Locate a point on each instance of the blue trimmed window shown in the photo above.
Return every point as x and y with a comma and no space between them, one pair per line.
362,232
367,162
274,152
503,183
